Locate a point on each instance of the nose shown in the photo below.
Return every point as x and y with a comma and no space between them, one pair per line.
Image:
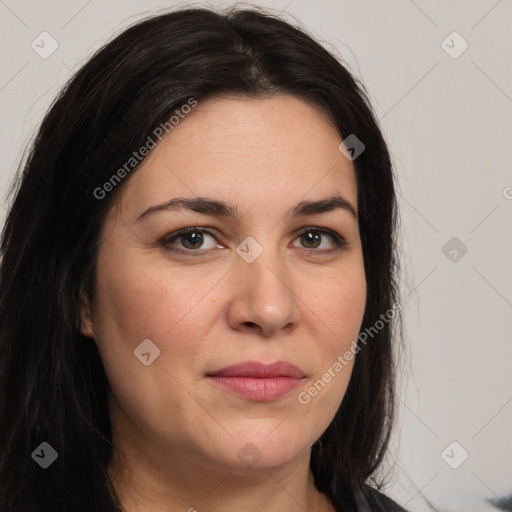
263,298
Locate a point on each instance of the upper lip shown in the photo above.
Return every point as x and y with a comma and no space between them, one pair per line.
259,370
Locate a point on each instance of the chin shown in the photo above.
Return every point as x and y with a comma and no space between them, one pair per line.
266,451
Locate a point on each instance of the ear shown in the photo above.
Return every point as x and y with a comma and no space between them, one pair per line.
86,326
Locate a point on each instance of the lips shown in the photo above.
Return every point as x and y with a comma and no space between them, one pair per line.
259,370
258,381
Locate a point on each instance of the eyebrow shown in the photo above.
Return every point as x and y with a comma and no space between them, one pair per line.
218,208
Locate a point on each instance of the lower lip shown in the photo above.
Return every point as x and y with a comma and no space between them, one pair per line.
260,389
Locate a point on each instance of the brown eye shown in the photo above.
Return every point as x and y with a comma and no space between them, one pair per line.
313,238
190,240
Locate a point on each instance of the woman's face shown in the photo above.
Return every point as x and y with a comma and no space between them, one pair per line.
264,284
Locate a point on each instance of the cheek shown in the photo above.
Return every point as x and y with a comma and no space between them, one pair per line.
337,304
137,301
336,310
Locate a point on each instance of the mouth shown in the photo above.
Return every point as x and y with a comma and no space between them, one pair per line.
258,381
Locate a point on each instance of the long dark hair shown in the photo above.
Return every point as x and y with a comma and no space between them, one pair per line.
53,387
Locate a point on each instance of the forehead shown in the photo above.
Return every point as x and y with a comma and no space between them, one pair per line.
247,151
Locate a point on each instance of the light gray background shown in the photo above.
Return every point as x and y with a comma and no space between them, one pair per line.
448,123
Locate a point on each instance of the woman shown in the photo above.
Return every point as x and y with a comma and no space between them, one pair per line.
198,280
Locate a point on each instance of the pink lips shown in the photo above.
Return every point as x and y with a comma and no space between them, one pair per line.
258,381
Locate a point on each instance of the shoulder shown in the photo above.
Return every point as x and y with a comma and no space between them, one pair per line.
371,499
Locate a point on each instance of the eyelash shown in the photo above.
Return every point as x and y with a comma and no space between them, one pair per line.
338,240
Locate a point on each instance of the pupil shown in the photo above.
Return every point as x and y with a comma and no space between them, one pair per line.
196,239
315,237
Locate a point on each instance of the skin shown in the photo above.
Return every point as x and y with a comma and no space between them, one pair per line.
177,434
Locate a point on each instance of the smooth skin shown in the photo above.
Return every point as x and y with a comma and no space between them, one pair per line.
178,435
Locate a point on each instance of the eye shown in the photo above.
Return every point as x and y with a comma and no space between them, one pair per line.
313,238
191,239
